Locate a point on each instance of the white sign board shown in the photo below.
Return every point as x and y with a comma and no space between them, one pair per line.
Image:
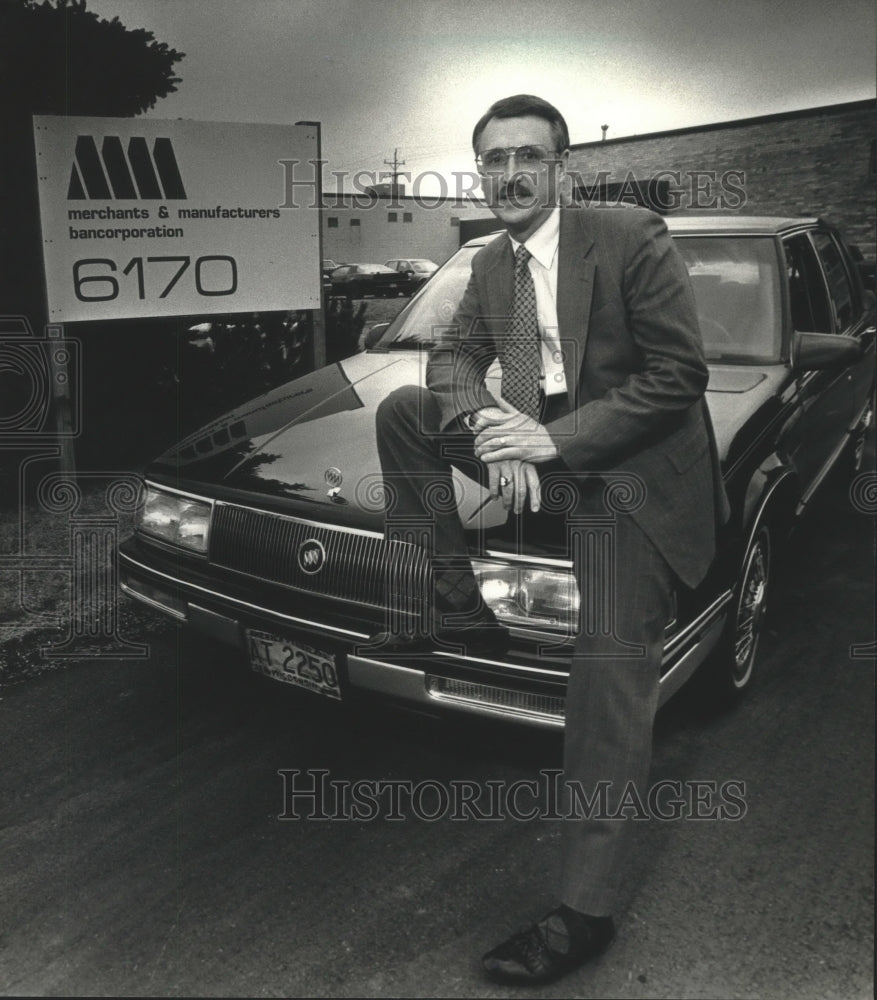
144,217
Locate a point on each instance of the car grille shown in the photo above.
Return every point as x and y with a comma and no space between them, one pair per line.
358,567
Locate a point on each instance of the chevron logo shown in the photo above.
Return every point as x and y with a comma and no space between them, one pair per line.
116,173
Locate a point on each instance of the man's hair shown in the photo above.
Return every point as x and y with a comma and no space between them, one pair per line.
521,106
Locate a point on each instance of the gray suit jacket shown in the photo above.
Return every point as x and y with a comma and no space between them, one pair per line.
634,366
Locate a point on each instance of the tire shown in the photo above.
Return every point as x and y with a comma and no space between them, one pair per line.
732,666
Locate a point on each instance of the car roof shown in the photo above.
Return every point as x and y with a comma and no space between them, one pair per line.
747,225
755,224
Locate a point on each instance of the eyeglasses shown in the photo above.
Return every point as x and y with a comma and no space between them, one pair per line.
493,161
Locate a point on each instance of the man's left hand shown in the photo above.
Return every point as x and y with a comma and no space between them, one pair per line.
503,433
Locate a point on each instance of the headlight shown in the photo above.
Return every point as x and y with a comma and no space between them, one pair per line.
175,519
523,595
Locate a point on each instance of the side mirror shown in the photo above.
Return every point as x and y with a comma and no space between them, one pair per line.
374,334
811,351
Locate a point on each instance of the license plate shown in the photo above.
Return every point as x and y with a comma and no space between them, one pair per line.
293,663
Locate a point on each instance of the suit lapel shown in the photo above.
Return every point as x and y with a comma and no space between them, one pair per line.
575,288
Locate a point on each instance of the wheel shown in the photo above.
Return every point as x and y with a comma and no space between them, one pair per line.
750,607
730,671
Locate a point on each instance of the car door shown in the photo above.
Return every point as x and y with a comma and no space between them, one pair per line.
851,315
345,276
826,406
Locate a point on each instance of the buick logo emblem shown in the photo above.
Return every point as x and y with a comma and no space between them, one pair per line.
311,556
333,477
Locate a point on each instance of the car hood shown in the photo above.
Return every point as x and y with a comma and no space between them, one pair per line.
308,447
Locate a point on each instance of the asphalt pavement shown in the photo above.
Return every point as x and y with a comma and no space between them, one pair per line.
149,843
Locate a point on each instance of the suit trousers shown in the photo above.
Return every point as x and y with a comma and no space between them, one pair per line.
626,589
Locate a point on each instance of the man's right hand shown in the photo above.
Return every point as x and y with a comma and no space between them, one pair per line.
514,481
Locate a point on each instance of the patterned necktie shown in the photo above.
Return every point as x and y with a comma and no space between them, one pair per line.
521,361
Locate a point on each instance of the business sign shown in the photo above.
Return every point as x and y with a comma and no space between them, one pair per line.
144,217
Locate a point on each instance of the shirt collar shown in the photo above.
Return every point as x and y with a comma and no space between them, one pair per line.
544,242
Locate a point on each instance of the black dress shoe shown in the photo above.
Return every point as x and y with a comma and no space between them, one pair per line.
558,943
489,641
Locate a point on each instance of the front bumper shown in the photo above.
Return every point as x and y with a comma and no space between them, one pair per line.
529,685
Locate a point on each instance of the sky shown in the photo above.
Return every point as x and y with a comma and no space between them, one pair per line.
415,75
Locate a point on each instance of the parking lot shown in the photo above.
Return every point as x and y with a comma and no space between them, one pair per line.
145,853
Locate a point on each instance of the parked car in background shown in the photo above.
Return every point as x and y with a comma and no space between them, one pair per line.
359,280
265,528
328,267
416,271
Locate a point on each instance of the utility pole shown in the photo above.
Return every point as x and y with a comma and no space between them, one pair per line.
395,163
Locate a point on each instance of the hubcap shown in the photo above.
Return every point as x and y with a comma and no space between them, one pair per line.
750,611
859,444
859,451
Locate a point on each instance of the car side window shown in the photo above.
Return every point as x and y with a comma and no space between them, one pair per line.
811,309
840,288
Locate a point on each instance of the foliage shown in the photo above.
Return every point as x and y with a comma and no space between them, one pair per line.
60,58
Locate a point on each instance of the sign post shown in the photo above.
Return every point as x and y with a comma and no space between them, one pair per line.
319,320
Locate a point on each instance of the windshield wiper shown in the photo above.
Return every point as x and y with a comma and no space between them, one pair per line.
410,344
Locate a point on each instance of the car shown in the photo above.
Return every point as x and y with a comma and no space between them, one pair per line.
265,529
329,266
359,280
416,270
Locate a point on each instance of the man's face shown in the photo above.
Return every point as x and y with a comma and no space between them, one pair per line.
521,190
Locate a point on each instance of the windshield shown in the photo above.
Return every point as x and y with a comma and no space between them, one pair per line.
373,269
426,319
735,281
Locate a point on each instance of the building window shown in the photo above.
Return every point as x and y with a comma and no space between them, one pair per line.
332,222
392,216
354,222
407,217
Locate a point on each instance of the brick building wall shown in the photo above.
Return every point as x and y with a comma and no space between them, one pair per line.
819,161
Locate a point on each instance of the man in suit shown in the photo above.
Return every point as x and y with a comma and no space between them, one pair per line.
590,313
